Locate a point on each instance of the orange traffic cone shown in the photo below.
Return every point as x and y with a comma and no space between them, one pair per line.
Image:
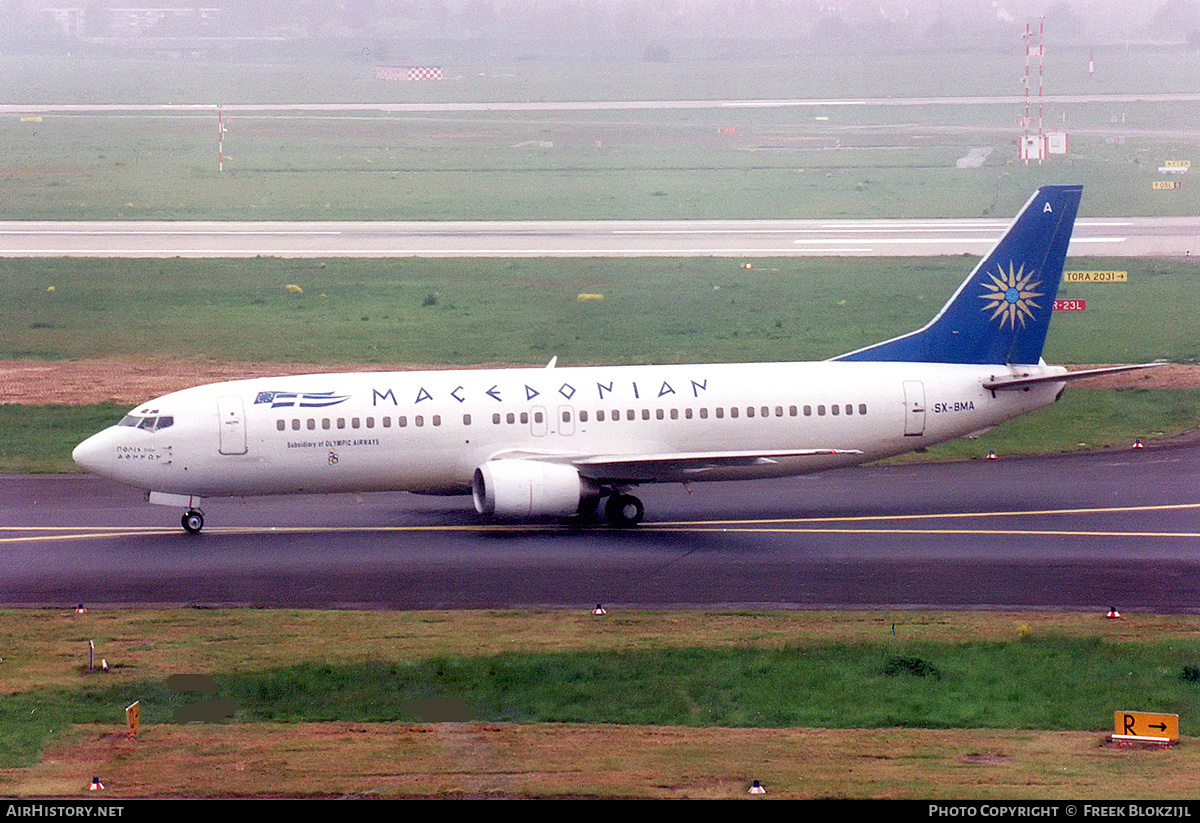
599,610
1113,614
96,785
992,455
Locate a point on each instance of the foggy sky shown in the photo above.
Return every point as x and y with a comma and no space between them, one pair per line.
534,24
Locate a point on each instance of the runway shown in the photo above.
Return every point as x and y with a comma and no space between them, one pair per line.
313,108
1070,532
1109,237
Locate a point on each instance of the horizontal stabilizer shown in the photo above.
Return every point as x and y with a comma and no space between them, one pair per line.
1018,381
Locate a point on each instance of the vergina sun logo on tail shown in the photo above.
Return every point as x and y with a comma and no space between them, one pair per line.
1012,296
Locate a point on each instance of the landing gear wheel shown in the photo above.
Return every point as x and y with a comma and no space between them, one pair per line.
624,510
192,521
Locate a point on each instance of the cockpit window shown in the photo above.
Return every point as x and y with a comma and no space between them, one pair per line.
150,424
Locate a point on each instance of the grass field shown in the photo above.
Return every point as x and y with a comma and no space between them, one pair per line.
655,704
525,311
810,161
672,165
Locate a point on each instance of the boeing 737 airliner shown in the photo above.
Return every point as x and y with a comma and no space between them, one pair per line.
553,442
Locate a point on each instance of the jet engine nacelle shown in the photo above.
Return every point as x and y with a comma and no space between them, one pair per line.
531,488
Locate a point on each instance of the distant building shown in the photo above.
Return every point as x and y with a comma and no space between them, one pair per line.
134,22
69,20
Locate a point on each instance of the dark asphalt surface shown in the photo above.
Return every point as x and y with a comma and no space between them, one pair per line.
1070,532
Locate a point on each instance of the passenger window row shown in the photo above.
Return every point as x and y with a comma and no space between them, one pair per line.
326,423
721,412
601,415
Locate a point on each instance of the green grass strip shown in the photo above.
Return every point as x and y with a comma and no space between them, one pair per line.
1051,683
464,312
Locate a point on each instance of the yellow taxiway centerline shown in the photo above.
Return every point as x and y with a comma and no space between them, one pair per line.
808,525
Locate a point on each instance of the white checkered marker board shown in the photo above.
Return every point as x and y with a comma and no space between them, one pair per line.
408,73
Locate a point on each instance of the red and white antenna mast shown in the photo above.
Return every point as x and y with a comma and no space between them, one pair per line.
1041,47
1025,119
1030,148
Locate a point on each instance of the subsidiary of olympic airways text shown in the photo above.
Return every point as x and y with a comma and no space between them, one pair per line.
1072,810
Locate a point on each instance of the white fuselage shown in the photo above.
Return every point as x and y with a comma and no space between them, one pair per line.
429,431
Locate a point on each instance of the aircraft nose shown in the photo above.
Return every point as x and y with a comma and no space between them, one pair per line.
93,454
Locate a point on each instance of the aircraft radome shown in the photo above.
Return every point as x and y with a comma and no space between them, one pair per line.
553,442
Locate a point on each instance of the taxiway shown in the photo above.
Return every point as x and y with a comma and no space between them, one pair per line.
1082,531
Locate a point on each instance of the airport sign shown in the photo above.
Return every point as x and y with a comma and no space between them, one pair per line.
1146,725
1095,277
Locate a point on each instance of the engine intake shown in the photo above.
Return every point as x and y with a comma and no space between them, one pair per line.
531,488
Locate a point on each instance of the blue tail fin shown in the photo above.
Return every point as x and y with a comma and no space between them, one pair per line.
1000,314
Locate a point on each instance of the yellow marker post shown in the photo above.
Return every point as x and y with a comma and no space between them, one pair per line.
133,716
1158,728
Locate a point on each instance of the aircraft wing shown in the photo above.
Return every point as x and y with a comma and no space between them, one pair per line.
1018,381
649,467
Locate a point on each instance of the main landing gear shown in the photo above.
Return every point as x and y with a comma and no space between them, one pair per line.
624,510
192,521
